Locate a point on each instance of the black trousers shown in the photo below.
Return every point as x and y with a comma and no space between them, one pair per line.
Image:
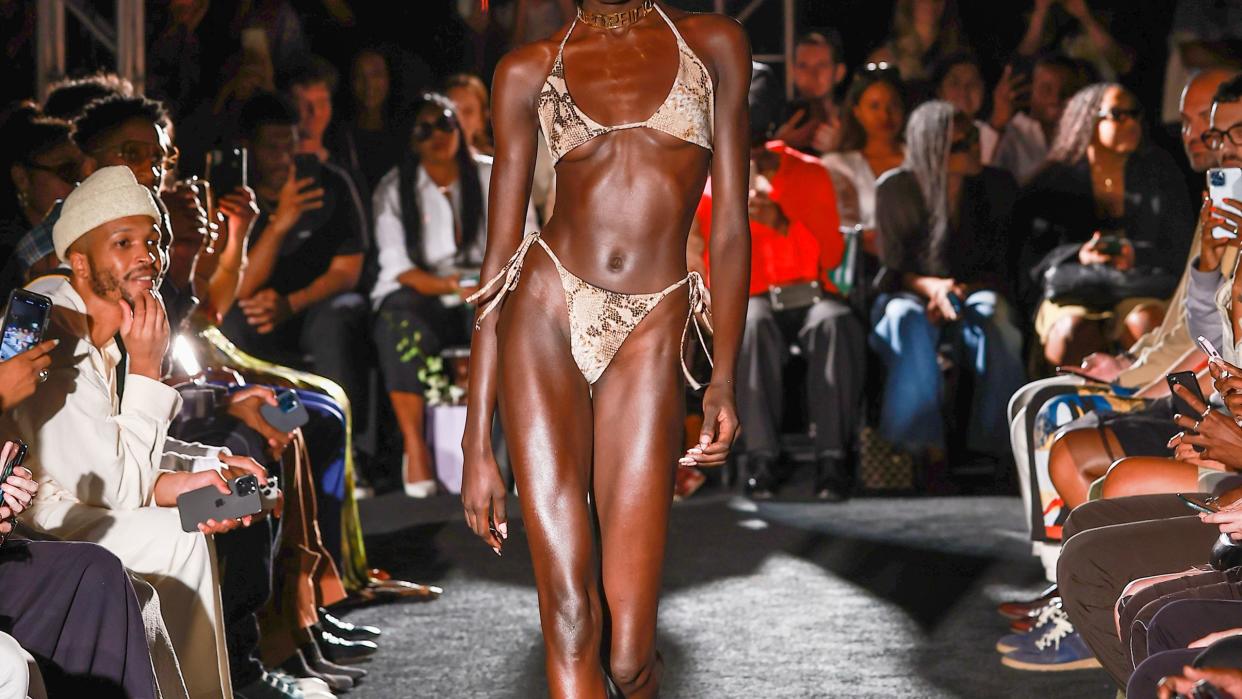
72,607
411,328
331,333
1110,543
834,344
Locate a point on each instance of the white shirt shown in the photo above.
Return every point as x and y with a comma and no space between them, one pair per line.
438,237
87,445
1022,148
854,169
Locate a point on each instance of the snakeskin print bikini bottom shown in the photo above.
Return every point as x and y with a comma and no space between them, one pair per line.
599,320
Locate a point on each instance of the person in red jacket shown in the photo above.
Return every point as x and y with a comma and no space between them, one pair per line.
796,243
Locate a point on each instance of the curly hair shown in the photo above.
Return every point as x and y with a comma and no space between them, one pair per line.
100,117
67,98
1076,129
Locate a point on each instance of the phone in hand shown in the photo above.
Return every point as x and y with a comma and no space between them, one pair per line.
198,506
25,322
1224,183
308,165
1110,244
1190,382
1208,348
1074,371
288,414
12,454
1206,505
227,170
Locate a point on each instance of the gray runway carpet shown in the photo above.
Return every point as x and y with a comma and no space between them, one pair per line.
878,597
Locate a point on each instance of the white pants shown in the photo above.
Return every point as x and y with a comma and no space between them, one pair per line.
180,566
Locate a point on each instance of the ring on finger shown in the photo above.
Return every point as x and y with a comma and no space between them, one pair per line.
42,375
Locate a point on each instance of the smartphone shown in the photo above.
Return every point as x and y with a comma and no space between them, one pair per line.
198,506
1073,371
227,170
959,306
1188,380
1208,348
13,454
288,414
1224,183
308,166
1110,244
1206,505
25,321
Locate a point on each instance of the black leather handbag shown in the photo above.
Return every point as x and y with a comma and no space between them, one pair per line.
1102,286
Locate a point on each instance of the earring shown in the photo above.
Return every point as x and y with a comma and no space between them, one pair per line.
23,198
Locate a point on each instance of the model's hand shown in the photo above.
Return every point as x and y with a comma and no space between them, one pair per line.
483,496
265,310
19,375
1219,437
720,429
144,328
246,404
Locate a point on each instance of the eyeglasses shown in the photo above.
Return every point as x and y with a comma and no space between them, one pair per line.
68,172
965,143
445,123
1215,138
144,153
1119,114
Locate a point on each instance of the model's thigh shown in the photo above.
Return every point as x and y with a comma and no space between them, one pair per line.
545,410
638,436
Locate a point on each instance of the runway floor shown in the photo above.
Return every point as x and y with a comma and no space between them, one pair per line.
877,597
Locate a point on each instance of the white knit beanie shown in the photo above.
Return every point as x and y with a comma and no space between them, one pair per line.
108,194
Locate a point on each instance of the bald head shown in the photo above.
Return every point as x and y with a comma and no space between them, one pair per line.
1196,111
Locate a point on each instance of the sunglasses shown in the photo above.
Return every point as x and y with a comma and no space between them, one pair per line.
880,67
445,123
1119,114
965,143
144,153
68,172
1215,138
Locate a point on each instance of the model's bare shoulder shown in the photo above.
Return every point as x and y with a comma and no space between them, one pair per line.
524,69
719,40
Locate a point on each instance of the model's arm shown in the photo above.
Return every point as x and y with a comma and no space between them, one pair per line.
730,236
514,102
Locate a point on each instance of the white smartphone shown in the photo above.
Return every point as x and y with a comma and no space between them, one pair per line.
1224,183
1208,348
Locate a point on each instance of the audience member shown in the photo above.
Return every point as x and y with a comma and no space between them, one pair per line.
958,80
430,227
311,87
795,243
371,127
1069,27
871,144
1105,198
814,126
470,101
67,98
944,222
1023,145
923,32
297,298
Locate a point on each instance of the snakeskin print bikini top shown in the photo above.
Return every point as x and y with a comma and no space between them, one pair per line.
686,113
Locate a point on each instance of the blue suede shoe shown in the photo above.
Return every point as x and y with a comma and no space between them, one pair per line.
1057,647
1026,641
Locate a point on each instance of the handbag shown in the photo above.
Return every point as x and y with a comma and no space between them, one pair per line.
1102,286
794,296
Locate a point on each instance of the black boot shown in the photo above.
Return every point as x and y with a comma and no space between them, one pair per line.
346,630
761,484
831,479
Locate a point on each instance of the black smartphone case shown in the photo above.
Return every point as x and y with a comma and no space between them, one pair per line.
1187,379
198,506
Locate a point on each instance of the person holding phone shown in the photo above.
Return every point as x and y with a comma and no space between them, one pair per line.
814,122
430,227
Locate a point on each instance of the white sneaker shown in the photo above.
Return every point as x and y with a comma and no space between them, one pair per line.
421,489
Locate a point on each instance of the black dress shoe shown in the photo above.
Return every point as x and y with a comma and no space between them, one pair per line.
761,484
316,662
338,650
831,479
346,630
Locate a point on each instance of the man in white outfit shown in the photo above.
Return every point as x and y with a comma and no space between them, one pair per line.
97,428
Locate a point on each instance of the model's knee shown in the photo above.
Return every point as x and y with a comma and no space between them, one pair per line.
573,628
633,666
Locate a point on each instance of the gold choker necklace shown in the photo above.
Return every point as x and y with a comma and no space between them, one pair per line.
615,20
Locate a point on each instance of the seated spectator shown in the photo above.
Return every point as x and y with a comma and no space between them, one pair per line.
371,128
40,166
67,98
296,298
795,241
97,429
923,32
1024,140
814,124
311,88
69,605
430,228
871,145
470,100
944,222
1073,30
958,80
1104,198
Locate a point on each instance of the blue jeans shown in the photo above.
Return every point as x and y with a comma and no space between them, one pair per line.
984,339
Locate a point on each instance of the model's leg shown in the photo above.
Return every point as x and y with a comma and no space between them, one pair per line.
545,408
638,416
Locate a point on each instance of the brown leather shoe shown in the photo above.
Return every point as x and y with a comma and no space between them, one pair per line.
1030,608
400,589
